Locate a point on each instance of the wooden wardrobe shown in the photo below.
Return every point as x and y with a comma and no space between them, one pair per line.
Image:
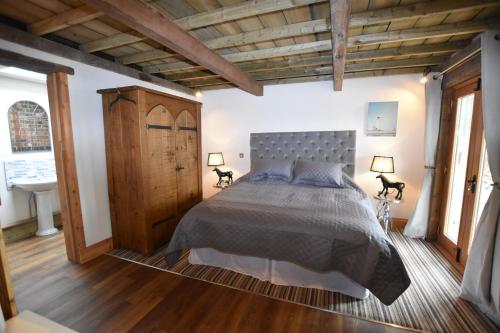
153,149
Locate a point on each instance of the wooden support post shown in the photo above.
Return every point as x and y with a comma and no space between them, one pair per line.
64,153
340,10
7,300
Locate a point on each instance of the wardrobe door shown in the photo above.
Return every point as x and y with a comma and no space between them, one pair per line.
160,184
186,146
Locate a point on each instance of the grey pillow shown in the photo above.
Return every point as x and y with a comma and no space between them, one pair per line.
271,168
325,174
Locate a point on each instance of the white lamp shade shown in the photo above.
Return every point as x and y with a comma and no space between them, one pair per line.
215,159
382,164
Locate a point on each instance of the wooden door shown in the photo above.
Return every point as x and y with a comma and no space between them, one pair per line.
160,182
462,172
186,146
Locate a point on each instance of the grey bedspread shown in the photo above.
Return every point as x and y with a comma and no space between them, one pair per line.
322,229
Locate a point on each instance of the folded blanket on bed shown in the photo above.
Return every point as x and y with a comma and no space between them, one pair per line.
319,228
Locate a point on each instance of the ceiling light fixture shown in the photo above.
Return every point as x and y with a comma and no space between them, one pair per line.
424,78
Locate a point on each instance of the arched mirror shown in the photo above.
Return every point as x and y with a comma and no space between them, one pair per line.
29,127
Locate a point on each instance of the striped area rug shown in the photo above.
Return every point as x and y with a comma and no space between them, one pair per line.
431,303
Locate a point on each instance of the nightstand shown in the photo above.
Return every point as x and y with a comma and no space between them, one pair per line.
384,210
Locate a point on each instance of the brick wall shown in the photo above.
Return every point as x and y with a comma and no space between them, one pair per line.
29,127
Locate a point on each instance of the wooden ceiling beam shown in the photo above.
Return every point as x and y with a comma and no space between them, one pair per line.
325,45
323,25
328,70
13,59
339,17
373,73
417,10
239,11
64,20
29,40
427,49
203,19
113,41
150,23
434,31
327,77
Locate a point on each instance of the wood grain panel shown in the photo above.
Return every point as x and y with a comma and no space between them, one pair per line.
186,150
160,183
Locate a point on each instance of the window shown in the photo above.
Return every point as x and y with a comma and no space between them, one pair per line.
29,127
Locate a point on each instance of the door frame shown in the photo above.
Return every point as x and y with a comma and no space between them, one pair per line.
67,180
458,254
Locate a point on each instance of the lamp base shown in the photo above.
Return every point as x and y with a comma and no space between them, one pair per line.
223,174
399,186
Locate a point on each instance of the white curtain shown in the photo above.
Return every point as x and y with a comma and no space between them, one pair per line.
481,282
419,220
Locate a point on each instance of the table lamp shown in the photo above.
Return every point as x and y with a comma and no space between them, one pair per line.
385,164
216,160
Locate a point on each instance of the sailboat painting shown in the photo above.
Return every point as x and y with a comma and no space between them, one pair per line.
382,118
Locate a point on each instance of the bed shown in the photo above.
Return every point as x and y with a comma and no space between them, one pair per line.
301,235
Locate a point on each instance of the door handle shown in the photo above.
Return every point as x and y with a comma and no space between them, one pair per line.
471,184
179,168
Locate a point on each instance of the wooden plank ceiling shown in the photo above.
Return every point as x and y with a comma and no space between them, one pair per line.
274,41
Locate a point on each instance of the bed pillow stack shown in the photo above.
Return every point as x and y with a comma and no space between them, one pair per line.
273,169
316,173
324,174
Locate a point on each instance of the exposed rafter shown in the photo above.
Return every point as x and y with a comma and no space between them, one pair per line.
245,43
320,25
428,49
325,45
145,20
327,77
67,18
340,10
417,10
24,38
216,16
328,70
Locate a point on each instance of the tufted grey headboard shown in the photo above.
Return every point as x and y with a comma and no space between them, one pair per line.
335,146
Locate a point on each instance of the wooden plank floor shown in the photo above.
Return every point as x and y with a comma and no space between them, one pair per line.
112,295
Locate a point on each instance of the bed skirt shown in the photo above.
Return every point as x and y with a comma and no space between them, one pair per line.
278,272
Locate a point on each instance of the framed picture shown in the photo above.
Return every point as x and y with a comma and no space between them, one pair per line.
382,118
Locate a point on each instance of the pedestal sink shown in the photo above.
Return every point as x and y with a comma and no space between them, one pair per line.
42,189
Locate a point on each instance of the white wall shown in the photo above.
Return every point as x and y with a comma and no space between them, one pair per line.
14,206
88,133
229,116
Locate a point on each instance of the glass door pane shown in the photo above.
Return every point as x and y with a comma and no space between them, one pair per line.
463,126
484,187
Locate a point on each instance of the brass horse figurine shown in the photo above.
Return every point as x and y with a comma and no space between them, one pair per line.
222,174
399,186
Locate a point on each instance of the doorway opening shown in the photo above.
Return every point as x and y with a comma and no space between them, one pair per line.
64,158
468,179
